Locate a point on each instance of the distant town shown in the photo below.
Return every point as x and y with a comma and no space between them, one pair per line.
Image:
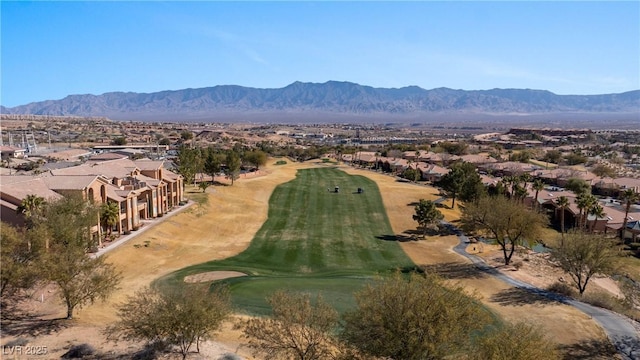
130,176
608,160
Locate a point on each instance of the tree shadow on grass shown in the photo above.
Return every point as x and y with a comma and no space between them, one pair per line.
517,296
455,271
588,350
409,235
396,237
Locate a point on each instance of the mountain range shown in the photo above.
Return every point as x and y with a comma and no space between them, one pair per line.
330,99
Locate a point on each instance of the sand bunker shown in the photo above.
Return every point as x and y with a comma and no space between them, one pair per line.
212,276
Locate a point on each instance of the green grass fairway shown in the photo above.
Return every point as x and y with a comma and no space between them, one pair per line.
314,240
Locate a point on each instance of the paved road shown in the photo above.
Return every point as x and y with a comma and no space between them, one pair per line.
618,328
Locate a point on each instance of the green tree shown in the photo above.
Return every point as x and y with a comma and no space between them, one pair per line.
181,317
462,181
164,141
213,163
508,222
186,135
629,197
109,215
584,255
519,341
427,215
80,279
298,328
414,318
553,156
256,158
233,166
454,148
411,174
522,156
189,163
578,186
120,141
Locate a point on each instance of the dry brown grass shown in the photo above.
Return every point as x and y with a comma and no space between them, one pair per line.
562,323
227,223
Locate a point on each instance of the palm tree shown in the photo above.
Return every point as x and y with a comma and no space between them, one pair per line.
525,178
110,215
585,203
563,203
629,196
521,193
509,184
598,211
31,207
537,186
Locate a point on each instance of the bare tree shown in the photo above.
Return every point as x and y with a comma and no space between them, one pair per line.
181,317
19,260
298,329
584,255
81,279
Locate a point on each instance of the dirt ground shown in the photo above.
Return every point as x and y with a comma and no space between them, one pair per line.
225,225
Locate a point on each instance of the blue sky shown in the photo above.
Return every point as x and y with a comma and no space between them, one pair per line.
53,49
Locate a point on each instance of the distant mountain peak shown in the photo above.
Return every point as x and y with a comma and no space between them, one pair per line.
340,98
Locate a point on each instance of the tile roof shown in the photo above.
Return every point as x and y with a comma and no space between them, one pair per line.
20,186
149,164
70,182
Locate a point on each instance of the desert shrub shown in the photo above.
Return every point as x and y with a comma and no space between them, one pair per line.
518,265
181,316
79,351
281,162
519,341
562,289
603,300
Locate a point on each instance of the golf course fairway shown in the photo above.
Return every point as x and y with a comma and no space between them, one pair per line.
315,240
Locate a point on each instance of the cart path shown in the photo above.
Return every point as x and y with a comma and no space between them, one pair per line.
620,329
